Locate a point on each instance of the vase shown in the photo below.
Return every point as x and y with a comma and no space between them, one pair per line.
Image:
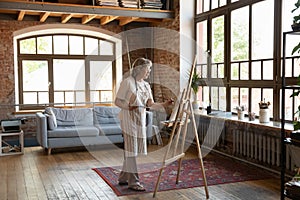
264,115
241,115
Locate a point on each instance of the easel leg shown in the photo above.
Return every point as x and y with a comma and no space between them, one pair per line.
158,180
178,171
200,154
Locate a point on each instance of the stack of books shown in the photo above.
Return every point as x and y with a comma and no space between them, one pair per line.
151,4
129,3
107,3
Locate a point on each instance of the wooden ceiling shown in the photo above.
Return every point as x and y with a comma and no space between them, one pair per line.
43,11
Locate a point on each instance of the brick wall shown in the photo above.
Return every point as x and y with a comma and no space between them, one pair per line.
164,82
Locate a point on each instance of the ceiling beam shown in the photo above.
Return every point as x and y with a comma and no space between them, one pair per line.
87,18
85,9
65,18
107,19
44,16
21,15
127,20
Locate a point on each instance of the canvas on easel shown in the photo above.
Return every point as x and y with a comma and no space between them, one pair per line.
179,119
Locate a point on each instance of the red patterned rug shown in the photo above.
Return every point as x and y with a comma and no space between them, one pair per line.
218,170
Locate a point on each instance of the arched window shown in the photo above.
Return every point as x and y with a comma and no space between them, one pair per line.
66,68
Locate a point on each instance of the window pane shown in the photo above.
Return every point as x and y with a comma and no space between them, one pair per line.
234,98
287,16
204,71
244,71
76,45
30,98
44,45
244,96
28,46
288,68
221,72
202,42
214,71
268,70
297,104
106,96
74,81
106,48
268,96
206,6
256,71
206,99
214,4
234,71
240,34
222,98
35,79
60,44
218,40
255,99
43,97
91,46
100,78
262,29
223,2
288,115
214,98
296,67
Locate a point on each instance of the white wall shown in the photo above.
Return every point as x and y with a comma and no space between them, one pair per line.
187,43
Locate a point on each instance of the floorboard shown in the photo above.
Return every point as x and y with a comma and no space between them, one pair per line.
68,174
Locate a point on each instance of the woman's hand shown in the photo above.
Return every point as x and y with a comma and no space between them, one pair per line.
168,102
130,108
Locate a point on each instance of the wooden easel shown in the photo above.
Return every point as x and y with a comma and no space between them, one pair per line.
179,124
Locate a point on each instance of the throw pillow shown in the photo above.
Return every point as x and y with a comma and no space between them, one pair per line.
51,118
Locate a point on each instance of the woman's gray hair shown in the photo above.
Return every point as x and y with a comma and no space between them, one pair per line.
138,64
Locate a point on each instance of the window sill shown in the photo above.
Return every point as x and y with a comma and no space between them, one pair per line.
228,116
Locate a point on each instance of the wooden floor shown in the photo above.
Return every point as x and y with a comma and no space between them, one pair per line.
68,175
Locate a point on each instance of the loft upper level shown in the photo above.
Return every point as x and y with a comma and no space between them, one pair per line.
65,12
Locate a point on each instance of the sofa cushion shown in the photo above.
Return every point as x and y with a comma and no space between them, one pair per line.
106,115
51,118
74,117
109,129
73,131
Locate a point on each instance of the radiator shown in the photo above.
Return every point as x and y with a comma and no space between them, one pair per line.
259,145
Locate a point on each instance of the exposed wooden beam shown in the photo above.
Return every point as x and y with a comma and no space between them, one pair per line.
44,16
21,15
84,9
65,18
107,19
86,18
127,20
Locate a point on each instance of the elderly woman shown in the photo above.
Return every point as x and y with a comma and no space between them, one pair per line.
133,97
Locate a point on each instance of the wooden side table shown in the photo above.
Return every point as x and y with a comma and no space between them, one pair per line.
8,149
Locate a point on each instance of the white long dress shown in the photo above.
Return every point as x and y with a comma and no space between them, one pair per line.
133,123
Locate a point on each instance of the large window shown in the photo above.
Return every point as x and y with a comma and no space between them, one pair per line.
65,69
242,45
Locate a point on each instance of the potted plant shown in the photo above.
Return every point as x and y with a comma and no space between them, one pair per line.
241,111
195,87
296,18
264,113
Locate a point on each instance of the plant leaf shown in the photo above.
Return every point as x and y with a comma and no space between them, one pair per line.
295,94
296,48
296,125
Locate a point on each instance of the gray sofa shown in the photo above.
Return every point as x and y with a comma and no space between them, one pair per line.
99,125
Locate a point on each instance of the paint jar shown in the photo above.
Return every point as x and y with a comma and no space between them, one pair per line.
241,115
264,115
